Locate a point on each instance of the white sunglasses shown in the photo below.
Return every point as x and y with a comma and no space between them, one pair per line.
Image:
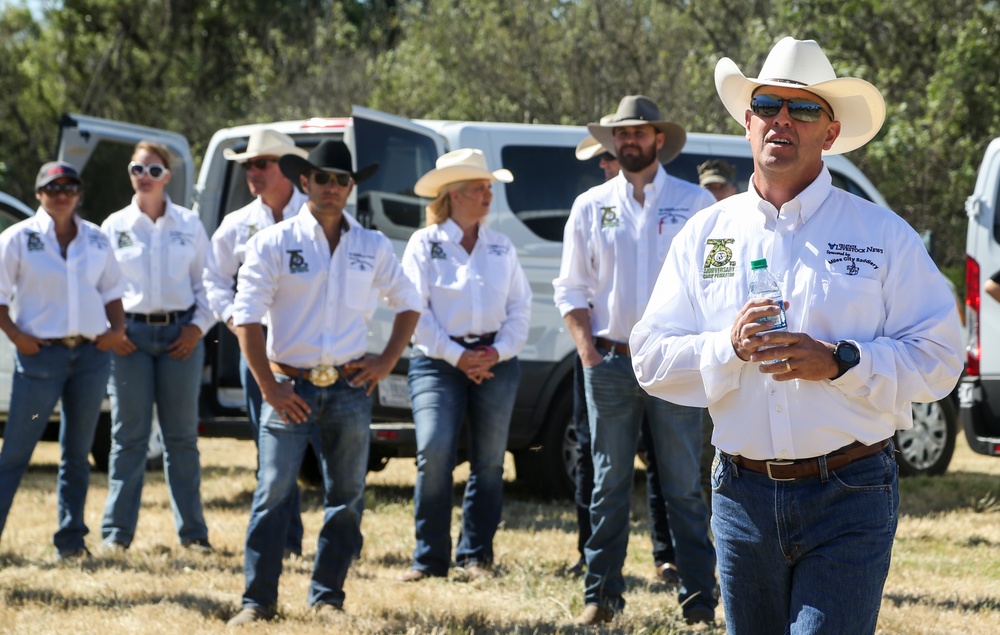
155,171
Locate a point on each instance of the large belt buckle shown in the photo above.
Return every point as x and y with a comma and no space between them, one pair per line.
72,341
157,319
323,376
471,339
779,463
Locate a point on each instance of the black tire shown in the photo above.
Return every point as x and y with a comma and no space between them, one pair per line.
547,468
927,448
101,448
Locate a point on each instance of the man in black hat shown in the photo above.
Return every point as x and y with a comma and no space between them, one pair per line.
615,241
318,278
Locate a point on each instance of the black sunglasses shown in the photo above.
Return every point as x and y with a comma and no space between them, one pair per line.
154,170
606,156
55,188
799,109
260,164
322,178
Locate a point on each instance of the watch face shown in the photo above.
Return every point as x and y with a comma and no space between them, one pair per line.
847,354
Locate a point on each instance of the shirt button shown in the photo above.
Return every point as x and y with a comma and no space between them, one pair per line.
777,408
784,453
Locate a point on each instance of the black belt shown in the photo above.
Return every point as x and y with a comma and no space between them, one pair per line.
807,468
610,345
321,376
473,341
70,341
160,319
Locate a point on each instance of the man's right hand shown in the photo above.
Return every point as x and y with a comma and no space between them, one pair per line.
289,406
590,356
28,345
746,327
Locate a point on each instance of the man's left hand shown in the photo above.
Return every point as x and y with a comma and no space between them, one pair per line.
369,370
805,358
183,346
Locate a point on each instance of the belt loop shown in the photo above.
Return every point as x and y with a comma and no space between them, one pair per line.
824,475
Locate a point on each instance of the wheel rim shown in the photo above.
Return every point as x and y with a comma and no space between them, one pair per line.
923,445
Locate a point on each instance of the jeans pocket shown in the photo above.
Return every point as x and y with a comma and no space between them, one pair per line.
722,469
870,474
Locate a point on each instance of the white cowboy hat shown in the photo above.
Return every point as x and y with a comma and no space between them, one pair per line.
466,164
265,142
856,104
591,147
638,110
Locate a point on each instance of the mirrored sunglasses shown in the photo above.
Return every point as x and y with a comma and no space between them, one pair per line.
798,109
322,178
260,164
55,188
155,170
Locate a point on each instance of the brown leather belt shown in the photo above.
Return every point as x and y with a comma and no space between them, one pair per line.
71,341
807,468
472,341
321,376
610,345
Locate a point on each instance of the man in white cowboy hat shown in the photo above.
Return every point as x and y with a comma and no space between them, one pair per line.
318,278
275,199
804,488
615,240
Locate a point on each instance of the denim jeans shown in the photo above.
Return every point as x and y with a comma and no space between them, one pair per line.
78,376
442,395
584,462
659,519
254,400
339,426
150,375
808,556
615,405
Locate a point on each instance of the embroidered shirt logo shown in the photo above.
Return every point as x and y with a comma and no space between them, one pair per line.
251,230
437,251
496,250
853,256
296,263
125,239
360,262
181,238
609,217
35,242
719,262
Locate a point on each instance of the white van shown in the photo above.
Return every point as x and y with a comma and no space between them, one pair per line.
531,211
979,390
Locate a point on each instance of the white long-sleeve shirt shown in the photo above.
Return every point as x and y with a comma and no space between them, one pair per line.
464,293
850,270
613,248
228,249
318,305
51,296
162,262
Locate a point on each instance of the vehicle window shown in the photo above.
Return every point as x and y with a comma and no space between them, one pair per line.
996,217
686,165
386,201
846,184
547,179
8,217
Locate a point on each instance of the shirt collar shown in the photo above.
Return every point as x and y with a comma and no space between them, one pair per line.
309,223
806,204
453,230
652,190
134,213
46,224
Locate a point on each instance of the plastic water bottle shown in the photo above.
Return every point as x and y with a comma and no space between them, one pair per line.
763,285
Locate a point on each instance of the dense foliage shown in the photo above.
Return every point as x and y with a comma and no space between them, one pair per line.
197,65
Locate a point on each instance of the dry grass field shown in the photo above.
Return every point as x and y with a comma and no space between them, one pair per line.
945,576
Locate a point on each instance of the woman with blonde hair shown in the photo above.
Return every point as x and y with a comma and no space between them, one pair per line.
161,248
474,322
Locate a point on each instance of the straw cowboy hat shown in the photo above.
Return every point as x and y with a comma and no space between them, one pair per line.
263,143
637,110
466,164
856,104
328,156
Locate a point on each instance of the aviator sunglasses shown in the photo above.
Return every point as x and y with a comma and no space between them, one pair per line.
322,178
55,188
154,170
799,109
260,164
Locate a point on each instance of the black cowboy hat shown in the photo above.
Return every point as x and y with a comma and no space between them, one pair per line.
328,156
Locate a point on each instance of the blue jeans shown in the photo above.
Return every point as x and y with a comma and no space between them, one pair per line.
809,556
150,375
615,405
659,519
442,395
78,376
339,426
254,400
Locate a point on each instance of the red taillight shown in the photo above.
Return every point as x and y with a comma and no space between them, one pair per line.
973,349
